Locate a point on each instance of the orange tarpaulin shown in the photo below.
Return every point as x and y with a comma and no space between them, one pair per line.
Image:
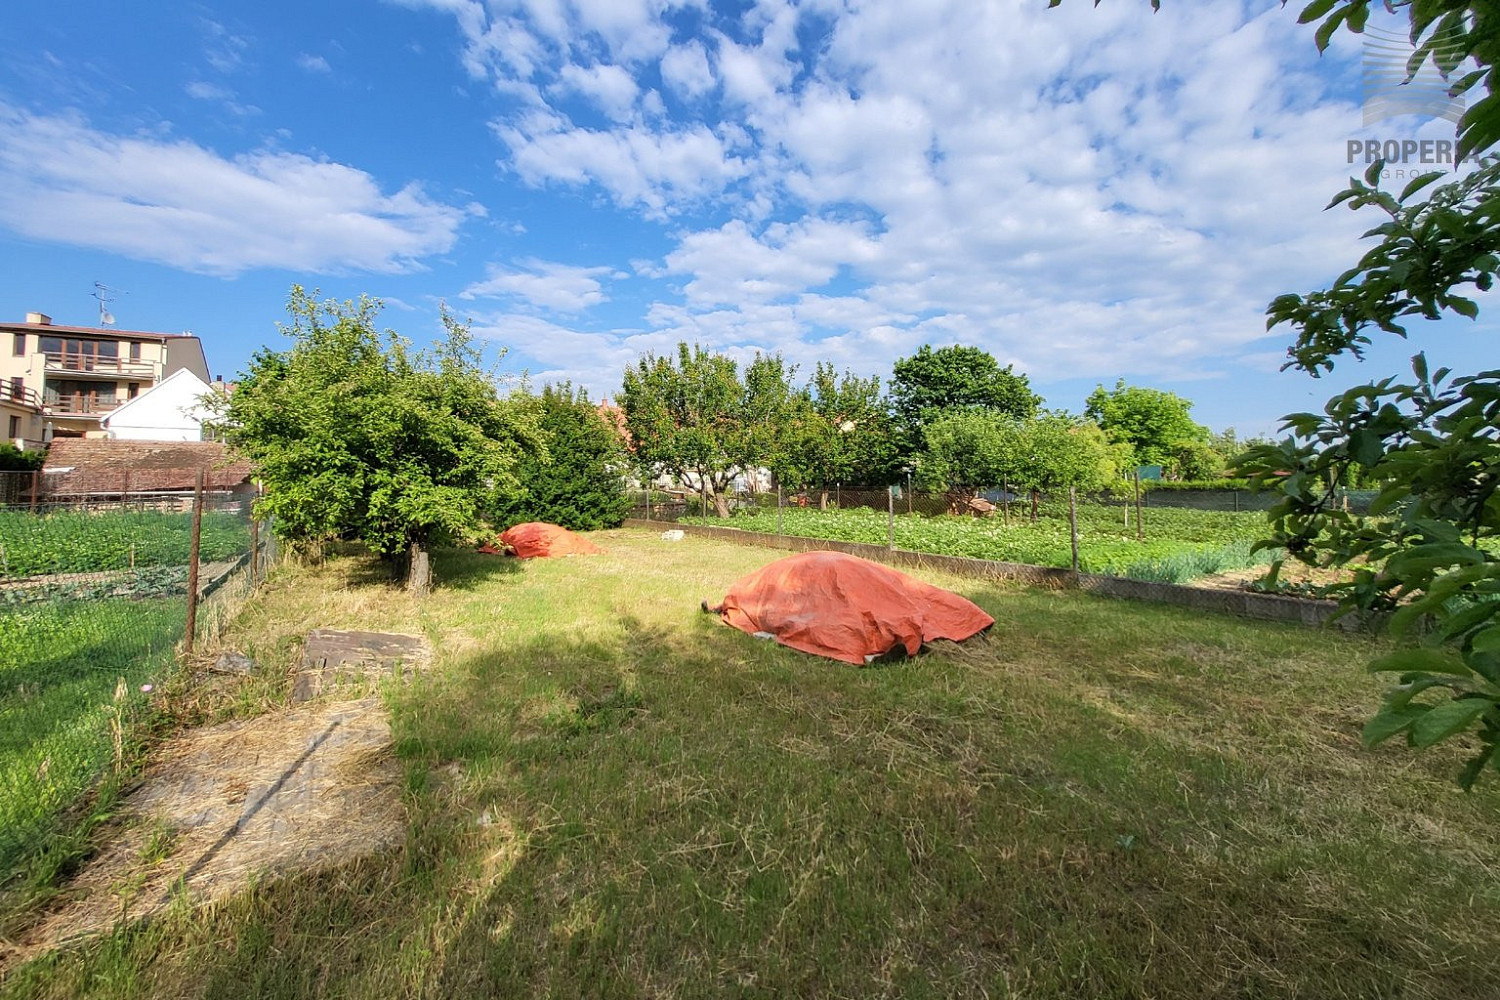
537,538
846,608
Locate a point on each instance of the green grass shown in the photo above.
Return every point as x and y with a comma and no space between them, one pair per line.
1180,545
86,542
60,665
611,795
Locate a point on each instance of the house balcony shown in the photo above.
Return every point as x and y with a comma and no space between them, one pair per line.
102,367
24,396
80,404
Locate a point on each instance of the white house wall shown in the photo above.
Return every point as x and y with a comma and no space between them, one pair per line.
172,410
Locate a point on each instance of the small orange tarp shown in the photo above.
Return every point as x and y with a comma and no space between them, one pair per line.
846,608
537,539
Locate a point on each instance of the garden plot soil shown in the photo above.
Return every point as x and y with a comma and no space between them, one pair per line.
314,786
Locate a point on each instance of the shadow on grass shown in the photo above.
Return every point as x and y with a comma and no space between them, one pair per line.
693,812
465,569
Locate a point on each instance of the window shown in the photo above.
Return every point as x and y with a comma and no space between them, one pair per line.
135,390
15,427
135,350
18,345
17,388
80,355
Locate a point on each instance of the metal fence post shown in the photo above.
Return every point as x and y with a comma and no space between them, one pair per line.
1073,523
1140,525
778,508
192,597
890,509
254,551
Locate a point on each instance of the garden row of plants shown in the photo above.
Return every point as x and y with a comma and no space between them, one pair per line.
89,542
1180,545
72,672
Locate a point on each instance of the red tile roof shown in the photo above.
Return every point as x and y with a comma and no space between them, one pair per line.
95,466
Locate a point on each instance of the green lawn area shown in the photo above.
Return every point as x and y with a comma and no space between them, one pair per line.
60,664
611,795
1179,544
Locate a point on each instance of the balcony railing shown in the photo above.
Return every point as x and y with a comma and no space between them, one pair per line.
91,364
24,396
82,404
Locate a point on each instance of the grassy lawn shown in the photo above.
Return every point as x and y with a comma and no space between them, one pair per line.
60,664
610,795
1179,546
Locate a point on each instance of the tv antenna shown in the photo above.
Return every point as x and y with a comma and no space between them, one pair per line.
101,292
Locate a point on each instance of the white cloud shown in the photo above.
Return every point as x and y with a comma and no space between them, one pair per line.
546,284
178,203
1086,192
200,90
658,171
609,87
313,64
226,50
685,69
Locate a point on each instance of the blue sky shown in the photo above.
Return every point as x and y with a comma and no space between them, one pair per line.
1088,193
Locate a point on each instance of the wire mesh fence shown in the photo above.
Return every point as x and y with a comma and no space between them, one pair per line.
669,504
97,593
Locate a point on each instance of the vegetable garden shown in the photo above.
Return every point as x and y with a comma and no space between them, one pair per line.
1180,545
92,606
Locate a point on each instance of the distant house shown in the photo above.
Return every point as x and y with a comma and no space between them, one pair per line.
100,470
60,381
172,410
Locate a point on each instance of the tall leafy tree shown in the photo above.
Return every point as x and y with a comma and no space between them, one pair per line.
933,382
578,482
836,431
695,417
1155,423
354,435
968,451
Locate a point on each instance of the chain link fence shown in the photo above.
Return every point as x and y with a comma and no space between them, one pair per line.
669,505
99,592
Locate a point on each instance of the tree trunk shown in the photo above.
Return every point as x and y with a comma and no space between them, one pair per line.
823,500
1035,500
419,572
721,504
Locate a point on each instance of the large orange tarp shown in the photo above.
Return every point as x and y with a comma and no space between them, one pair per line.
846,608
536,539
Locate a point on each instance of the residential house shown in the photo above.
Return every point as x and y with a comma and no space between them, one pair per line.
173,409
60,381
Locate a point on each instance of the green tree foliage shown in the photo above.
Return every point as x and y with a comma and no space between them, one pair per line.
967,452
1195,461
356,436
1155,424
836,430
13,459
695,418
931,383
1428,551
578,481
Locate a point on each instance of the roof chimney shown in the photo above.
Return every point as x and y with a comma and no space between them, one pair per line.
40,319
